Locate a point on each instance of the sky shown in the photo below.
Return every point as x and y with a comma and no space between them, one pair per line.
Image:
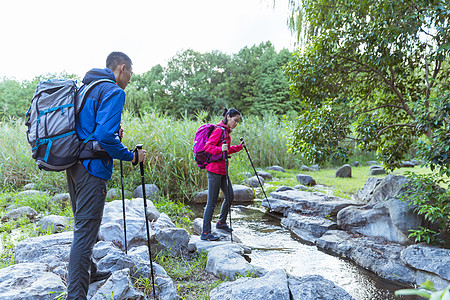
54,36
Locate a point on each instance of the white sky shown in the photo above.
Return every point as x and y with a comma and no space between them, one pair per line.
51,36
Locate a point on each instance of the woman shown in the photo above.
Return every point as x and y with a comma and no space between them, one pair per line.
217,171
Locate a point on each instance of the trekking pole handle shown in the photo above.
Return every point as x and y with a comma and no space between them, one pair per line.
136,153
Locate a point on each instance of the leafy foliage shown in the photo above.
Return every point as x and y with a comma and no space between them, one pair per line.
431,201
428,291
371,69
251,80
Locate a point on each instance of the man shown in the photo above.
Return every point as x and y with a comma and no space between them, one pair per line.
100,115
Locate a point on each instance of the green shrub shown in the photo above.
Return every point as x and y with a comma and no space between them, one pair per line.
431,200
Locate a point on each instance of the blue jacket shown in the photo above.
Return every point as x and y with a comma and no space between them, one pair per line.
102,111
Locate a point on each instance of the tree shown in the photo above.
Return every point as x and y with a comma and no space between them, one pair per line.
366,74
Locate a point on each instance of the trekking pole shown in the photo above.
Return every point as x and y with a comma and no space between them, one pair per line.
256,173
228,190
141,165
123,206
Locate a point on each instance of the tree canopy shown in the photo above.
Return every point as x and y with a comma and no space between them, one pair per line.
371,73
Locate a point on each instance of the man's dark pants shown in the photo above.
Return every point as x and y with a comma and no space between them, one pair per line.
87,194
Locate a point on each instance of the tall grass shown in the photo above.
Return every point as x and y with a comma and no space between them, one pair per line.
170,162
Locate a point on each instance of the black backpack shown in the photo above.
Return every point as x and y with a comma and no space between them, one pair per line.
51,123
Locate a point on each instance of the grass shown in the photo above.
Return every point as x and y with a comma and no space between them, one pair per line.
328,183
189,275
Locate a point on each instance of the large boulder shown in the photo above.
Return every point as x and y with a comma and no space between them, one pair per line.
385,215
273,286
344,172
306,180
53,223
315,287
151,192
17,213
29,281
242,195
255,181
112,228
276,168
228,262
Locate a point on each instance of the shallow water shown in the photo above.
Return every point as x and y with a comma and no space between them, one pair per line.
274,247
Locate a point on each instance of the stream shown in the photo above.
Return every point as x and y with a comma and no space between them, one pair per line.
274,247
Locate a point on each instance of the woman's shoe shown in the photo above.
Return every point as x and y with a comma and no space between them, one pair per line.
208,237
223,227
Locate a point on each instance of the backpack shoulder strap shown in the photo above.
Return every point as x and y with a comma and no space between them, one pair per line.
83,96
85,92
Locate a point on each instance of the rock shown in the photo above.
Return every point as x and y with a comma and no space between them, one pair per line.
365,194
276,168
115,194
306,180
151,192
389,219
243,194
304,168
61,199
344,172
272,286
136,263
118,286
246,174
308,228
283,188
200,198
387,188
29,281
52,250
112,223
228,262
29,193
30,186
255,181
169,237
371,163
20,212
307,203
408,164
372,253
377,171
265,175
53,223
315,167
355,163
428,258
315,287
301,187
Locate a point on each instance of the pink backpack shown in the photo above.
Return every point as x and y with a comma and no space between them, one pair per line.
201,137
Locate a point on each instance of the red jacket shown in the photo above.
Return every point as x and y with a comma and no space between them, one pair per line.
214,147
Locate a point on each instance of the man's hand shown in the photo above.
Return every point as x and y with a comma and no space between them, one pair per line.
141,155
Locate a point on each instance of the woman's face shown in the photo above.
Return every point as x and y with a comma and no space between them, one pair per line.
233,121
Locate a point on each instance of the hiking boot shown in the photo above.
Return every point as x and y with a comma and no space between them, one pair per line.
223,227
208,237
97,276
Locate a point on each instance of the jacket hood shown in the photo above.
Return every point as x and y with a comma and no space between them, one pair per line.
96,74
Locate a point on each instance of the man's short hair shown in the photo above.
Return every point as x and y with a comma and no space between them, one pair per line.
117,58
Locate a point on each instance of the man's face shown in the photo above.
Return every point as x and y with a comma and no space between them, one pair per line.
124,77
